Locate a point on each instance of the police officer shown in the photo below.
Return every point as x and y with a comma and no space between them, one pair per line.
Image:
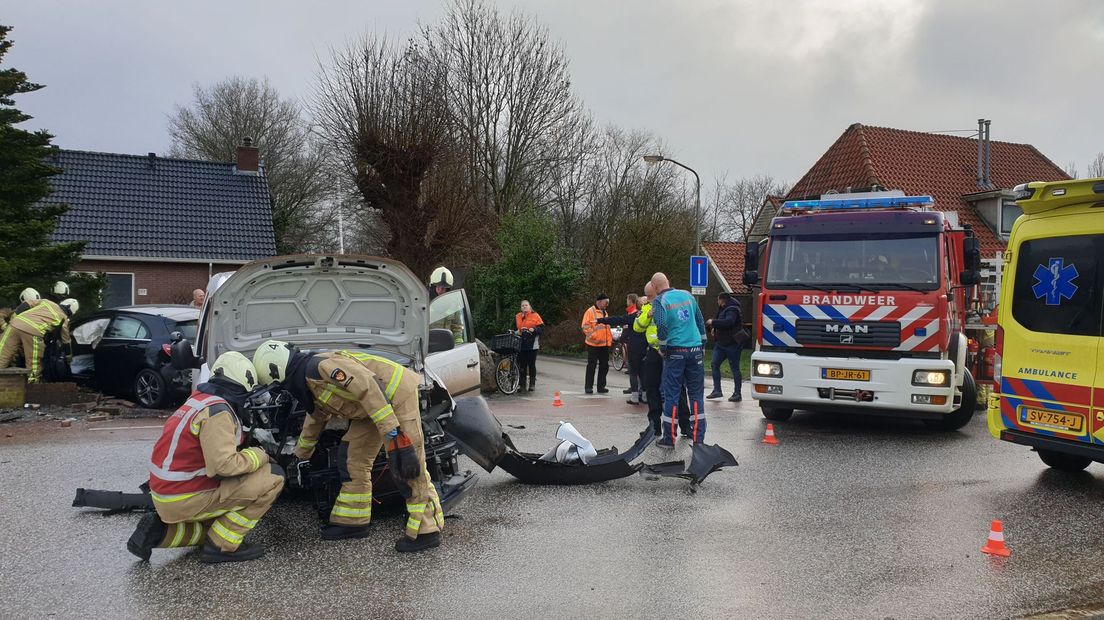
380,400
205,489
27,330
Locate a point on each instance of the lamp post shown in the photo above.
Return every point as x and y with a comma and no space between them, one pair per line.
655,159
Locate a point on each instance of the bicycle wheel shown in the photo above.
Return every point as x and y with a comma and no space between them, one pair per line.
507,375
618,354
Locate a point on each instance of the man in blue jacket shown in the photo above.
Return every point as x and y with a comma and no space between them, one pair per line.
681,331
727,328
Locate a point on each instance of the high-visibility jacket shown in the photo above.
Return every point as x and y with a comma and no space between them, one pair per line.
532,321
43,317
645,325
199,445
596,335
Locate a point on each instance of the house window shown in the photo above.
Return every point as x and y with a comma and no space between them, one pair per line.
1009,212
119,291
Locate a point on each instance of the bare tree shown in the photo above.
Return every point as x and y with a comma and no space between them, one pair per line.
733,206
1071,169
1095,168
212,126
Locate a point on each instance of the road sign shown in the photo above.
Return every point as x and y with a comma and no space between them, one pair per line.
697,290
699,273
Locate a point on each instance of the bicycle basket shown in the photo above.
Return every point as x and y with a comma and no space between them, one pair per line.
506,344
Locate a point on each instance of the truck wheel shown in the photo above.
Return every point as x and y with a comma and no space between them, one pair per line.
776,414
1064,462
959,417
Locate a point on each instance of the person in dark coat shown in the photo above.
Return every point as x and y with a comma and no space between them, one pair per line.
638,346
726,327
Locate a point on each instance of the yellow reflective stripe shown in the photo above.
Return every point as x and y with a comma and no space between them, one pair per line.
252,454
415,507
326,395
194,426
240,519
179,534
341,511
413,523
396,369
382,413
306,443
196,536
39,327
167,499
354,497
216,513
226,534
393,384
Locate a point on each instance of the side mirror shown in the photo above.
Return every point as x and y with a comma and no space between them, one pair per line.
182,355
971,253
751,278
751,256
441,340
970,277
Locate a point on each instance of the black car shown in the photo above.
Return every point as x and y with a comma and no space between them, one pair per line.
125,352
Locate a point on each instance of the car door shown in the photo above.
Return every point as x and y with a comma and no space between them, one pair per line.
120,353
458,367
86,339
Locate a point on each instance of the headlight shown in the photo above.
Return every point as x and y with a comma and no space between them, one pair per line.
937,378
768,369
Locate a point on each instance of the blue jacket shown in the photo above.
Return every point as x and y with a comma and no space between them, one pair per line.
678,319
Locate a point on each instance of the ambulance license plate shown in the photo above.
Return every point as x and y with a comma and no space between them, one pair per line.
1052,419
846,374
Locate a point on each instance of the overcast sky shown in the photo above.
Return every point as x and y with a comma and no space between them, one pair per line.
737,86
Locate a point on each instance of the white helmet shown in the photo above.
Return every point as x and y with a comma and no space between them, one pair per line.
271,361
71,305
61,288
237,368
28,295
441,276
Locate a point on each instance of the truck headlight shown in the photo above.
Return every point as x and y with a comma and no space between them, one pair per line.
768,369
936,378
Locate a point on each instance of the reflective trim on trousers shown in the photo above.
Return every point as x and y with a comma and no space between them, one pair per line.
241,520
216,513
354,497
353,513
226,534
168,499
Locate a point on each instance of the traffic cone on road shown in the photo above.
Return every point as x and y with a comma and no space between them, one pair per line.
995,544
769,437
556,402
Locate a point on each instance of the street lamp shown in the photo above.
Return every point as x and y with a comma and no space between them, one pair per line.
655,159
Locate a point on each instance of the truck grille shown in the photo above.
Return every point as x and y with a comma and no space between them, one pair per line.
845,334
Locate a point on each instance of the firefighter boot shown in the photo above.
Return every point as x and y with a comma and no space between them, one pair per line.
421,543
150,532
245,551
341,532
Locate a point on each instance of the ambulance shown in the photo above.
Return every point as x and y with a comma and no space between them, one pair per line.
1050,359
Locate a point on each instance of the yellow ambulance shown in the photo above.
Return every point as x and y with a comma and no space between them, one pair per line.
1050,357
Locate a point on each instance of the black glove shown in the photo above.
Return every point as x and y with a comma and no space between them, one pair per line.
602,321
402,458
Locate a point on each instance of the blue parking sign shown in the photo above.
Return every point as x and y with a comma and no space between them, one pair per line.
699,271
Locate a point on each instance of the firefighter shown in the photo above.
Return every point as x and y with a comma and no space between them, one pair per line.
27,298
27,332
60,291
380,400
440,282
205,490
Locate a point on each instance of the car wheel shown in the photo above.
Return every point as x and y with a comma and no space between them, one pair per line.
1064,462
776,414
150,389
959,417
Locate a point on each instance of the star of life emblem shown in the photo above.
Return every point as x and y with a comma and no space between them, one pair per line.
1054,281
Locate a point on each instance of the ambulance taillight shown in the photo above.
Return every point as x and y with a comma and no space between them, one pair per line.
999,349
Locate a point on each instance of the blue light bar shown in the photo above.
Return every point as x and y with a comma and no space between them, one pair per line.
859,203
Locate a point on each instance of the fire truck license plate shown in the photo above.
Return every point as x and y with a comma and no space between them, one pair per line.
845,374
1052,419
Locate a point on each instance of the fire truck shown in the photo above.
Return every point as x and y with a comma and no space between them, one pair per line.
861,308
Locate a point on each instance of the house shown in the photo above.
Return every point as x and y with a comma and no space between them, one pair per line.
971,179
159,227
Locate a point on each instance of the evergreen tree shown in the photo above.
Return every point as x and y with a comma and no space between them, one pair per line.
27,257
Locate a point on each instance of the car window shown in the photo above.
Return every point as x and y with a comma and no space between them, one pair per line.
127,327
187,329
1058,288
90,333
448,312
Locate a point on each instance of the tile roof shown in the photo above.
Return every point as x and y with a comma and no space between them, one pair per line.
942,166
153,207
761,225
728,257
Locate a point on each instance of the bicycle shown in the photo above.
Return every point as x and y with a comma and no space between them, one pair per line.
507,375
617,356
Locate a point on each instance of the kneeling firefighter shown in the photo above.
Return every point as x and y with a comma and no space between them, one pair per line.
26,333
380,400
204,489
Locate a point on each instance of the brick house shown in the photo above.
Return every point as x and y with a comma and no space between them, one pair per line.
975,183
159,227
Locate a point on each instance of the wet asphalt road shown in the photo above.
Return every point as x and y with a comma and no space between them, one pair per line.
846,518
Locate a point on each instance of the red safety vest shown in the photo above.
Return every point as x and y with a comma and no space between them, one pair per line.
177,464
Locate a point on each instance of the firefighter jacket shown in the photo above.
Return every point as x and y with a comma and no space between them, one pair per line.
43,317
596,335
351,385
645,325
534,322
198,447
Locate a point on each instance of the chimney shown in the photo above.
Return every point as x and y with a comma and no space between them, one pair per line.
988,172
151,159
981,154
248,159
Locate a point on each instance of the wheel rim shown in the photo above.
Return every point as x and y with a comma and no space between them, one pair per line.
147,389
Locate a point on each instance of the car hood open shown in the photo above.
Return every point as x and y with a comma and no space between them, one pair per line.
320,301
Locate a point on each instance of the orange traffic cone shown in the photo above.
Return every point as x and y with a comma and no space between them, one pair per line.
995,544
769,437
556,402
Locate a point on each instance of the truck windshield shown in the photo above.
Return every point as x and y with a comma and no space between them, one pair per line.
903,261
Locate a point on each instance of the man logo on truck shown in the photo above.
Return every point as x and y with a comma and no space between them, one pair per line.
837,328
1055,282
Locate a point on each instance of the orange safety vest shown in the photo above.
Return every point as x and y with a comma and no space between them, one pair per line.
596,335
530,320
177,465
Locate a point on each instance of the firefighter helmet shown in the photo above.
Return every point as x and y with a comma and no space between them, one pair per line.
237,368
271,360
441,276
28,295
70,305
61,288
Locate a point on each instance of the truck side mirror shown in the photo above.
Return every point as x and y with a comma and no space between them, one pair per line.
181,354
751,278
751,263
971,253
970,277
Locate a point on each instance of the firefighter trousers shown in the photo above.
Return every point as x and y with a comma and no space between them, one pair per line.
13,342
364,441
225,514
